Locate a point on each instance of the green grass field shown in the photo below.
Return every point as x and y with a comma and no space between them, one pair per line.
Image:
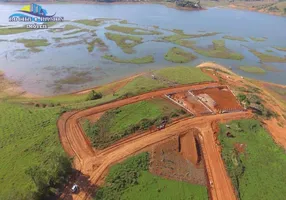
125,42
118,123
183,75
252,69
228,37
28,137
218,51
132,30
257,169
268,57
178,55
142,60
132,180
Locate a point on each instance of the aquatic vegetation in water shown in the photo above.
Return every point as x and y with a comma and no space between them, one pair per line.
178,55
181,35
280,48
252,69
228,37
132,30
10,31
270,68
67,27
142,60
70,43
89,22
267,57
255,39
218,50
123,41
96,42
77,31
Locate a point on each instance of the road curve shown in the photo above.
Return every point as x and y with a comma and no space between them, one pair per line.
95,164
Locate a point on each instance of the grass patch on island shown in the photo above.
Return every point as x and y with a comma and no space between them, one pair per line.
270,68
75,32
228,37
132,180
125,42
178,55
257,39
252,69
10,31
132,30
280,48
117,123
218,50
267,57
142,60
181,35
89,22
251,156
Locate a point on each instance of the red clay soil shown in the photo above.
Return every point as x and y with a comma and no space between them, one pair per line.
223,97
188,147
166,161
191,103
95,164
94,118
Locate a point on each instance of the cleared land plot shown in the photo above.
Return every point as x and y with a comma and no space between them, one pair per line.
132,30
168,162
191,103
125,42
267,57
252,69
142,60
131,180
117,123
223,98
251,156
178,55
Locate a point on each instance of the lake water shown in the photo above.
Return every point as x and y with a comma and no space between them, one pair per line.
38,72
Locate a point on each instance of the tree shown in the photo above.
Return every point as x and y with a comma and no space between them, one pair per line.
93,95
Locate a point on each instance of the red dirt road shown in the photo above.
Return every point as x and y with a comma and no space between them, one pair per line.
96,163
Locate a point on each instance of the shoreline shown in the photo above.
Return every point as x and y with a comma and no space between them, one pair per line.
10,88
167,4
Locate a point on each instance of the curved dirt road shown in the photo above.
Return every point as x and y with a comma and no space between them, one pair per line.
95,164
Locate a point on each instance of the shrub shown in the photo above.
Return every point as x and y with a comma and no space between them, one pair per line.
93,95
